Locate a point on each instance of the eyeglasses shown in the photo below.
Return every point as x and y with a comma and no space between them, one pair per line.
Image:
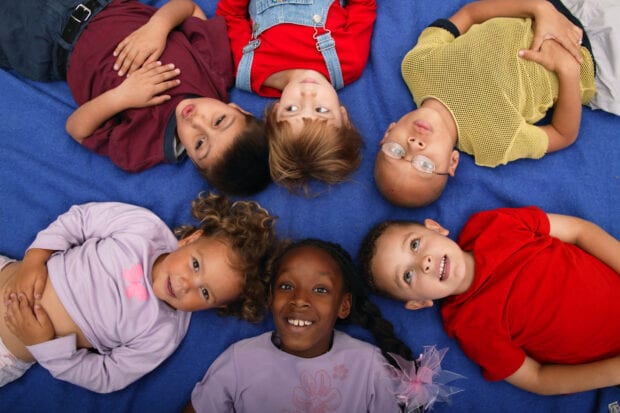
419,162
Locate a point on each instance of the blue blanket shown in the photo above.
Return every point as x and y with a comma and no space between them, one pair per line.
43,172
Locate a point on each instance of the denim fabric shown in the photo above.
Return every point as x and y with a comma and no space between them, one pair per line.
268,13
30,34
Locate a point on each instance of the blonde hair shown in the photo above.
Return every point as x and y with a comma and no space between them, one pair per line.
320,151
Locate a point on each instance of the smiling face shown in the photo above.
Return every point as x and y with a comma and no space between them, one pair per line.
199,275
309,95
420,132
418,264
207,128
308,298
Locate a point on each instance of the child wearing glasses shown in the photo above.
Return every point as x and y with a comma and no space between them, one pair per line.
150,84
531,297
482,80
301,53
105,293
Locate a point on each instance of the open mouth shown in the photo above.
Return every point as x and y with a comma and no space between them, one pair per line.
299,323
169,287
442,268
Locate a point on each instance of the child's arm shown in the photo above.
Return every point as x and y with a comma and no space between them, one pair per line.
548,379
587,236
146,44
235,12
564,126
31,276
141,89
549,23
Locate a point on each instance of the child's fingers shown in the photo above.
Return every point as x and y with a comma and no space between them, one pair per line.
41,315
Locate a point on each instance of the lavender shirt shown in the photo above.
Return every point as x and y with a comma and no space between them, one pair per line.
253,375
102,274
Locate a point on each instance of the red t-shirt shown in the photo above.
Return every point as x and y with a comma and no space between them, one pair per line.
532,294
137,139
289,46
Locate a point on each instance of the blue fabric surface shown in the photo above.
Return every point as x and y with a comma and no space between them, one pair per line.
43,172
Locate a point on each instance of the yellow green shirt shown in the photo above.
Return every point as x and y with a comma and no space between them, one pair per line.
494,95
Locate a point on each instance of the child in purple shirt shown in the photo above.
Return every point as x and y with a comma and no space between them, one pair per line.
105,293
306,365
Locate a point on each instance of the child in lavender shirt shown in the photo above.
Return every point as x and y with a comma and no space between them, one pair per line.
311,366
105,293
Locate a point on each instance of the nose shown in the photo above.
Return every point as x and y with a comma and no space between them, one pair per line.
416,142
427,264
182,283
299,299
308,92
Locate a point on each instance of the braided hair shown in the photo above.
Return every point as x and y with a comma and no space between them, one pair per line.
363,311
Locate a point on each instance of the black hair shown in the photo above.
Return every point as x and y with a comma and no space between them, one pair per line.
363,311
244,167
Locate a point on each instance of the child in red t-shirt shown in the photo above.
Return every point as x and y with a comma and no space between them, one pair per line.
531,297
303,53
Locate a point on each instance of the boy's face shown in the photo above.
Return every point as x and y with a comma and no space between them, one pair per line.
420,132
309,95
207,127
418,264
197,276
308,298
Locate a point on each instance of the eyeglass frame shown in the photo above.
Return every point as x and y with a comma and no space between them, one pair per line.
416,162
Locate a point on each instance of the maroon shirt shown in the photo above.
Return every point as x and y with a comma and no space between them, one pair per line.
137,139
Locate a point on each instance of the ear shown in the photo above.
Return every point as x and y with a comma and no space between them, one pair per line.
345,306
239,108
345,116
454,162
387,132
418,304
435,226
190,238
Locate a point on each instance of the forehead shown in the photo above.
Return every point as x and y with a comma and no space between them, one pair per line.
308,261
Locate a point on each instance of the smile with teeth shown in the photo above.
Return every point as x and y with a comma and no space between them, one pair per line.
298,323
442,267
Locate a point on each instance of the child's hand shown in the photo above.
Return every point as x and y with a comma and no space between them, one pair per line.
143,46
29,324
143,87
29,280
550,24
553,57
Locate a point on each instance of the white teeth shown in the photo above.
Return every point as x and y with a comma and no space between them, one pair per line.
299,323
442,268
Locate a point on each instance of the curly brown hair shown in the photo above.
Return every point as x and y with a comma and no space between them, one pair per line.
249,230
320,151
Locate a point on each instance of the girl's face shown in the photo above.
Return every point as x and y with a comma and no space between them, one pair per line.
207,128
418,264
308,298
309,95
199,275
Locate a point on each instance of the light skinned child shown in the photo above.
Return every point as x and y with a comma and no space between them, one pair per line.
530,296
301,54
481,83
150,84
306,364
105,293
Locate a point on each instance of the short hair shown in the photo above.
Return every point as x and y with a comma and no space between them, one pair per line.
320,151
249,230
363,311
243,169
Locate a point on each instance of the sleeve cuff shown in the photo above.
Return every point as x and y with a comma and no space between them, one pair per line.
446,25
61,347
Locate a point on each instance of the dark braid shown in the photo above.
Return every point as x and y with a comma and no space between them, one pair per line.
363,311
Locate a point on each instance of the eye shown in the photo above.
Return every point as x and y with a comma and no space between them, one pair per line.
321,290
285,287
407,277
393,150
195,264
219,120
204,292
415,244
321,109
199,143
291,108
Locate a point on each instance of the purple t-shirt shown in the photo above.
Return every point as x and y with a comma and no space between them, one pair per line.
253,375
102,275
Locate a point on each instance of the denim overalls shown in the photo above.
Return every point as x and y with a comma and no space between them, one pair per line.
31,34
268,13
